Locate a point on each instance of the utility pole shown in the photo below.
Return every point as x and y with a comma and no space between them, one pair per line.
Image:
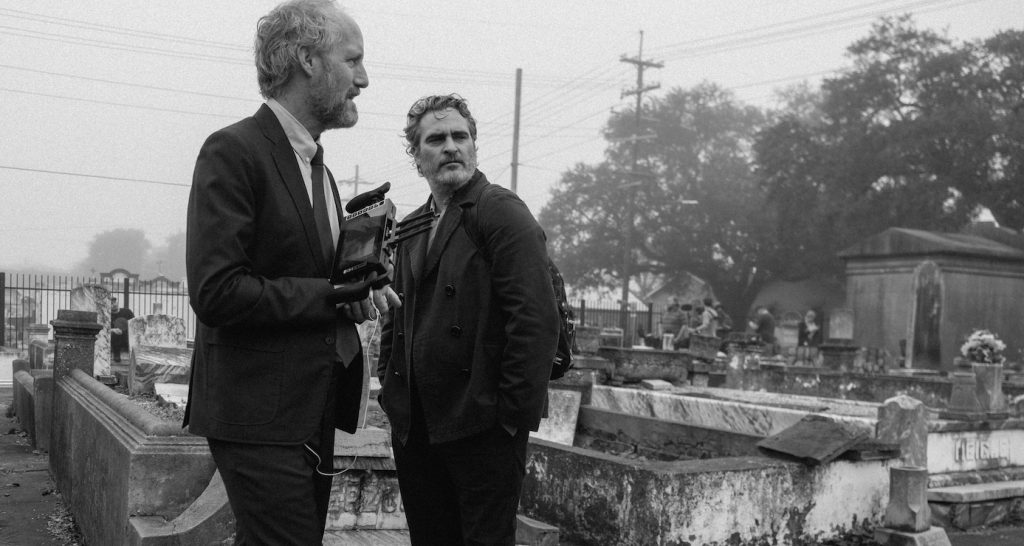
627,253
515,131
355,183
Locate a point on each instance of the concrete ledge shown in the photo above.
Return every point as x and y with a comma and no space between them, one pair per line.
597,498
112,460
936,536
535,533
207,521
979,492
684,440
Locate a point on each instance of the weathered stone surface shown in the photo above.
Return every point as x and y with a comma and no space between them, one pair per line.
42,408
596,498
149,365
908,499
904,420
977,492
173,393
983,447
156,331
934,536
74,334
669,439
588,339
208,520
112,460
813,440
563,412
96,298
655,385
531,532
633,365
755,419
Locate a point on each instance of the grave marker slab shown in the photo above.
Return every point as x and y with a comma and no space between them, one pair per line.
813,440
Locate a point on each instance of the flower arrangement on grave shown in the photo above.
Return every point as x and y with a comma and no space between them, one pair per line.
984,347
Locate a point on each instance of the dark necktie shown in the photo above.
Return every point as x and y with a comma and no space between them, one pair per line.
347,342
323,221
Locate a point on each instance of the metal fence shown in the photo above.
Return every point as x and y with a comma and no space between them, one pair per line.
35,299
609,315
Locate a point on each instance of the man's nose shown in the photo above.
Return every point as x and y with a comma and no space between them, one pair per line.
361,79
449,145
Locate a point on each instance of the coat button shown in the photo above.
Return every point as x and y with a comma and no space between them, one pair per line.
401,334
456,331
449,290
329,340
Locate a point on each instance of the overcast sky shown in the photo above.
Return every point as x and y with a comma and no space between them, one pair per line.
105,103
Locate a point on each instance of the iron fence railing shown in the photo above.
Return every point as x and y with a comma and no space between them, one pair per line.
35,299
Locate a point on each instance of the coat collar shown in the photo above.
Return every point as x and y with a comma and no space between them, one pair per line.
466,196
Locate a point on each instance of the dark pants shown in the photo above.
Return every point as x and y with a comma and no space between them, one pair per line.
275,492
464,492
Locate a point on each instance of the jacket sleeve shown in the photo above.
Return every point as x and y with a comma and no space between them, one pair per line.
226,286
521,284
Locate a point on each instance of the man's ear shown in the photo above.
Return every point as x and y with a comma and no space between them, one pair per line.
306,60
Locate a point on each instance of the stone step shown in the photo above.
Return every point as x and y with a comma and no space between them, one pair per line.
977,492
367,537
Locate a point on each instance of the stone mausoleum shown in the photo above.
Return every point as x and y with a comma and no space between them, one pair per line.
921,293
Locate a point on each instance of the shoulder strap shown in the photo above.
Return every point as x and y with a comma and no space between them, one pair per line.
471,224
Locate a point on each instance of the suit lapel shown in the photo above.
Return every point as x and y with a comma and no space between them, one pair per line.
284,159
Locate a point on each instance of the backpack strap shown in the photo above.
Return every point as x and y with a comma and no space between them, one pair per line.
470,221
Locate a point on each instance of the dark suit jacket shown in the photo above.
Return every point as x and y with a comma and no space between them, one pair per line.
477,335
257,280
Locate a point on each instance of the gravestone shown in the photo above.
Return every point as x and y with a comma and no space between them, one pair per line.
903,420
158,352
563,412
907,516
814,440
840,325
156,331
96,299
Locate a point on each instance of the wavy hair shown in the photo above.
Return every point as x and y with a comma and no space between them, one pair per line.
433,103
290,26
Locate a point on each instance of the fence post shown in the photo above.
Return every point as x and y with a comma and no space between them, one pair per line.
650,317
3,301
125,299
583,312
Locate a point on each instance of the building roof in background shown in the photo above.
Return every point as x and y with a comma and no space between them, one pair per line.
915,242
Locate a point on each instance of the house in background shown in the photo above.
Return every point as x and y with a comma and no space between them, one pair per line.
921,293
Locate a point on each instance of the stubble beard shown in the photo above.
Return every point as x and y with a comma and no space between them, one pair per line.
450,181
326,109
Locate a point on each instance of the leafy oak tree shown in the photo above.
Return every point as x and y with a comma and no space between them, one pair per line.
117,248
696,147
918,132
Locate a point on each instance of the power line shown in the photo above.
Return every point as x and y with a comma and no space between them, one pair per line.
99,176
109,103
75,23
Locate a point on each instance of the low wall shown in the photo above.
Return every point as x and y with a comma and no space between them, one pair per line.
933,390
7,357
661,439
112,460
603,499
759,419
